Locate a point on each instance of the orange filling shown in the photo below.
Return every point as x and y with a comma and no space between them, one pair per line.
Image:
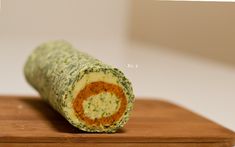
94,89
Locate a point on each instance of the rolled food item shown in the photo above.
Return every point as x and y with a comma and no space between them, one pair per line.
91,95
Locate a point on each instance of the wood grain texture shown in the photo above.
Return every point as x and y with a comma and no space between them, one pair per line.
30,121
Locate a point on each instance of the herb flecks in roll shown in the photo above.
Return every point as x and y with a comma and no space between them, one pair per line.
90,94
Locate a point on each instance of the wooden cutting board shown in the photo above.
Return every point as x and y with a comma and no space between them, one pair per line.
30,121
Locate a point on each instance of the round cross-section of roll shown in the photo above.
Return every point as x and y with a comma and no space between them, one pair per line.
91,95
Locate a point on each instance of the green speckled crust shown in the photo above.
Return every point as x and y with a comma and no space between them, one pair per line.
54,68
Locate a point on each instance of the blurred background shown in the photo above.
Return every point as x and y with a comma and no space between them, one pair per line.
183,52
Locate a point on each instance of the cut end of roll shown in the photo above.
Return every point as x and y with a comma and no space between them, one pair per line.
100,104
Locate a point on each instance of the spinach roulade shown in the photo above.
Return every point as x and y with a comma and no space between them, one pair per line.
91,95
